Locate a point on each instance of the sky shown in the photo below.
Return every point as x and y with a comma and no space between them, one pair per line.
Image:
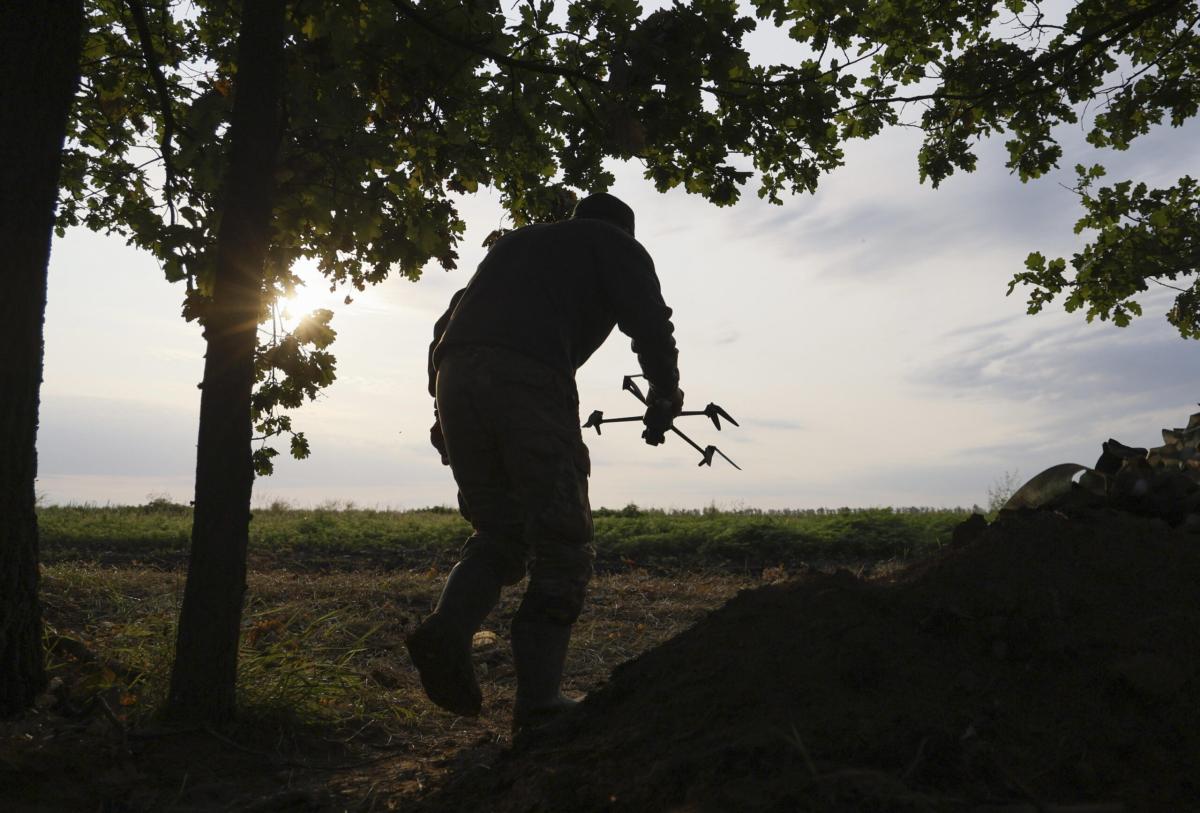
861,336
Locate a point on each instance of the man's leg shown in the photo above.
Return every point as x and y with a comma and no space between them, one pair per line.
540,640
512,431
558,532
441,646
494,555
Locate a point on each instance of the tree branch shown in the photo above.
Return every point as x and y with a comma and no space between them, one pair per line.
504,60
586,104
816,77
164,98
1121,26
1165,285
1154,63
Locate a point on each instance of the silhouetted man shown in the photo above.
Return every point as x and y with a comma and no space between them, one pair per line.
502,369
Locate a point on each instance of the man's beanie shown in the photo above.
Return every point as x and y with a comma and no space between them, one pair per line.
603,206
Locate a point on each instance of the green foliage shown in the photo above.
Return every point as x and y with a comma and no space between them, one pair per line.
290,367
750,540
394,110
1140,236
432,537
1144,236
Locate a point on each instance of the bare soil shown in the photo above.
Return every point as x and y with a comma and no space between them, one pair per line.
1045,664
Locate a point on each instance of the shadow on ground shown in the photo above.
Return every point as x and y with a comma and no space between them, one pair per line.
1046,664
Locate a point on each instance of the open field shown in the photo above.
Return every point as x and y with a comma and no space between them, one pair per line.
334,717
157,534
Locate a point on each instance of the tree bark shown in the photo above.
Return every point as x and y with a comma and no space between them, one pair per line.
39,71
205,670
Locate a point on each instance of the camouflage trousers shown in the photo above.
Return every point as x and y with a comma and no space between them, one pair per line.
512,433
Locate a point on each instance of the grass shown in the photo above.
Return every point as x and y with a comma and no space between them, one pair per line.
324,648
311,645
323,676
331,591
157,534
753,540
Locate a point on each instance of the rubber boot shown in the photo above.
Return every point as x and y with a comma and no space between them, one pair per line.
440,647
539,653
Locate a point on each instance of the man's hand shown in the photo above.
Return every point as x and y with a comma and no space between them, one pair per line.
661,409
439,440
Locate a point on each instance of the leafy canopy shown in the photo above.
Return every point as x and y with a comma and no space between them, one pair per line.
393,109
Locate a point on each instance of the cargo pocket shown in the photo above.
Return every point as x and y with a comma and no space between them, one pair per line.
552,477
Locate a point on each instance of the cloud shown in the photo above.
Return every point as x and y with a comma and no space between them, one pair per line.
872,218
876,236
781,424
84,442
80,435
1142,365
1079,384
953,482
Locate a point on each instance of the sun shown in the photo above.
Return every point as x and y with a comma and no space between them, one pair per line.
305,299
312,293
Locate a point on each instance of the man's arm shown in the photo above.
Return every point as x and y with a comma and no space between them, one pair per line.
439,330
634,290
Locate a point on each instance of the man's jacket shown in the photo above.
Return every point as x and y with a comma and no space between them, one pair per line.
554,292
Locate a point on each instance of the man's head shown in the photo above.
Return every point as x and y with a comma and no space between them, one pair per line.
603,206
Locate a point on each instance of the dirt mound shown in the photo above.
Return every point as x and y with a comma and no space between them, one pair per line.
1045,662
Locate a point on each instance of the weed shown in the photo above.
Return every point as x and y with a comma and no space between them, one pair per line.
1001,489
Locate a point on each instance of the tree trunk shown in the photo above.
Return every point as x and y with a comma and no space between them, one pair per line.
39,71
205,669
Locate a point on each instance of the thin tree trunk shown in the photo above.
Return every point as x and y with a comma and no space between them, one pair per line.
205,669
39,71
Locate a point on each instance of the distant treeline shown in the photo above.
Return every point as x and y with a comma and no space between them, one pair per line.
339,535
